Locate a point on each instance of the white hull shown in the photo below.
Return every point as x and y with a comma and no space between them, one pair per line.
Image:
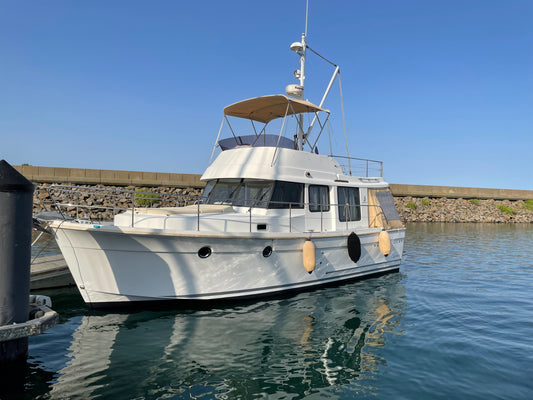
116,266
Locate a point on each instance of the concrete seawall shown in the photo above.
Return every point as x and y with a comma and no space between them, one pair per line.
80,176
454,192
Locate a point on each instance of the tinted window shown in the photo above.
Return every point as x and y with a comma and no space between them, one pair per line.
386,202
239,192
207,190
318,198
349,209
287,194
223,191
255,193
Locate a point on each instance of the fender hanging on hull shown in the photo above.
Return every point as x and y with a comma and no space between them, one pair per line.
309,257
354,247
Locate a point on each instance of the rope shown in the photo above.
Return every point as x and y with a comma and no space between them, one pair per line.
324,58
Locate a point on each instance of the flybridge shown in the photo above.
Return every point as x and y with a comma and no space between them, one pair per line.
264,110
264,140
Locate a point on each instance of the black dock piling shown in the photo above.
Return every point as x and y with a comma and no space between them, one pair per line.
16,202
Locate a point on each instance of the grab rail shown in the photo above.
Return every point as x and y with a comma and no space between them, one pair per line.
92,204
367,166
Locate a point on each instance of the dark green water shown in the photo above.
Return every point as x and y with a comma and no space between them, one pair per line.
455,323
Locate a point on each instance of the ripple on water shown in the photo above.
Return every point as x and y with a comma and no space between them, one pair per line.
456,322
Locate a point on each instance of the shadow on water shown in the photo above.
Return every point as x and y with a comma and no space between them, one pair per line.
329,341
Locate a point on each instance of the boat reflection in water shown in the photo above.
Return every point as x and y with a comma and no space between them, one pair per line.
322,341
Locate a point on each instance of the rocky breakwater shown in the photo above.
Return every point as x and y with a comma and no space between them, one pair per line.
101,203
416,209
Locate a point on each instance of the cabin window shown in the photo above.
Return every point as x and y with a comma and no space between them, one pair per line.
254,193
207,190
349,205
223,191
287,195
318,198
239,192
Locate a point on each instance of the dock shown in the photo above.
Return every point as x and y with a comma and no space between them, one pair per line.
50,272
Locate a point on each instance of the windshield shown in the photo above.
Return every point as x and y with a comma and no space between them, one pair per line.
239,192
254,193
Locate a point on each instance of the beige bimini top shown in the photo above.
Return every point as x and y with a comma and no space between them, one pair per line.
266,108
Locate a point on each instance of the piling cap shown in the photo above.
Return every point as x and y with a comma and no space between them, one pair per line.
13,181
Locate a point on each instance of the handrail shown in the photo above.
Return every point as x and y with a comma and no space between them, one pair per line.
61,199
368,165
64,206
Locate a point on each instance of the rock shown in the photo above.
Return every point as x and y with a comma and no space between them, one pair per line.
461,210
107,203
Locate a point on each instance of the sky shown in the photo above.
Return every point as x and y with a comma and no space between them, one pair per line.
441,91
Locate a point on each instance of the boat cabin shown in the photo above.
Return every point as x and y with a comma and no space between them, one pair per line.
273,183
268,174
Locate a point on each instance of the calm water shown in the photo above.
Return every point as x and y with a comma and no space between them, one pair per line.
455,323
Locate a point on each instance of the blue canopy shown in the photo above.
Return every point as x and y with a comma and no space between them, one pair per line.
256,141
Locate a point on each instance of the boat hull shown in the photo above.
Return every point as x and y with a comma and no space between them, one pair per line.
114,266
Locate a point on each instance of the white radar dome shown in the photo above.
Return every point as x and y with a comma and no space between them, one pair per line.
295,91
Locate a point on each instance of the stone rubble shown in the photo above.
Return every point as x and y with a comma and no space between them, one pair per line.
102,205
461,210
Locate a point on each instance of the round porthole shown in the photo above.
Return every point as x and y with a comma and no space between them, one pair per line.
267,251
204,252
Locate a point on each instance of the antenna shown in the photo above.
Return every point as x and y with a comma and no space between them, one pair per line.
297,91
306,15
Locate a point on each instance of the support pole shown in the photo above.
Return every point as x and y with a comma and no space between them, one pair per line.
16,202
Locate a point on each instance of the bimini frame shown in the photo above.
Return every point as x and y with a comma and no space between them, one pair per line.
267,108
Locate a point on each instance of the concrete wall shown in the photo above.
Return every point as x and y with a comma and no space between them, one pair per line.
452,192
81,176
148,179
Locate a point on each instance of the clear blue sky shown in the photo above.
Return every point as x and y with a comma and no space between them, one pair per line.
440,90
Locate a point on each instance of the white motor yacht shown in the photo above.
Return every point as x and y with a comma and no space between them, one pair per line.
275,216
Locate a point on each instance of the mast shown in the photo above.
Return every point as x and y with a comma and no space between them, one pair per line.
302,84
297,91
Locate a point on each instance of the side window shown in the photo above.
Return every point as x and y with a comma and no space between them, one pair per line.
318,198
287,194
349,206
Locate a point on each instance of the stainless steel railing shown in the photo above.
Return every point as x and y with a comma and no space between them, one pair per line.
93,204
360,166
98,204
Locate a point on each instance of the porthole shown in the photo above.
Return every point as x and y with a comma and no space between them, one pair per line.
204,252
267,251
